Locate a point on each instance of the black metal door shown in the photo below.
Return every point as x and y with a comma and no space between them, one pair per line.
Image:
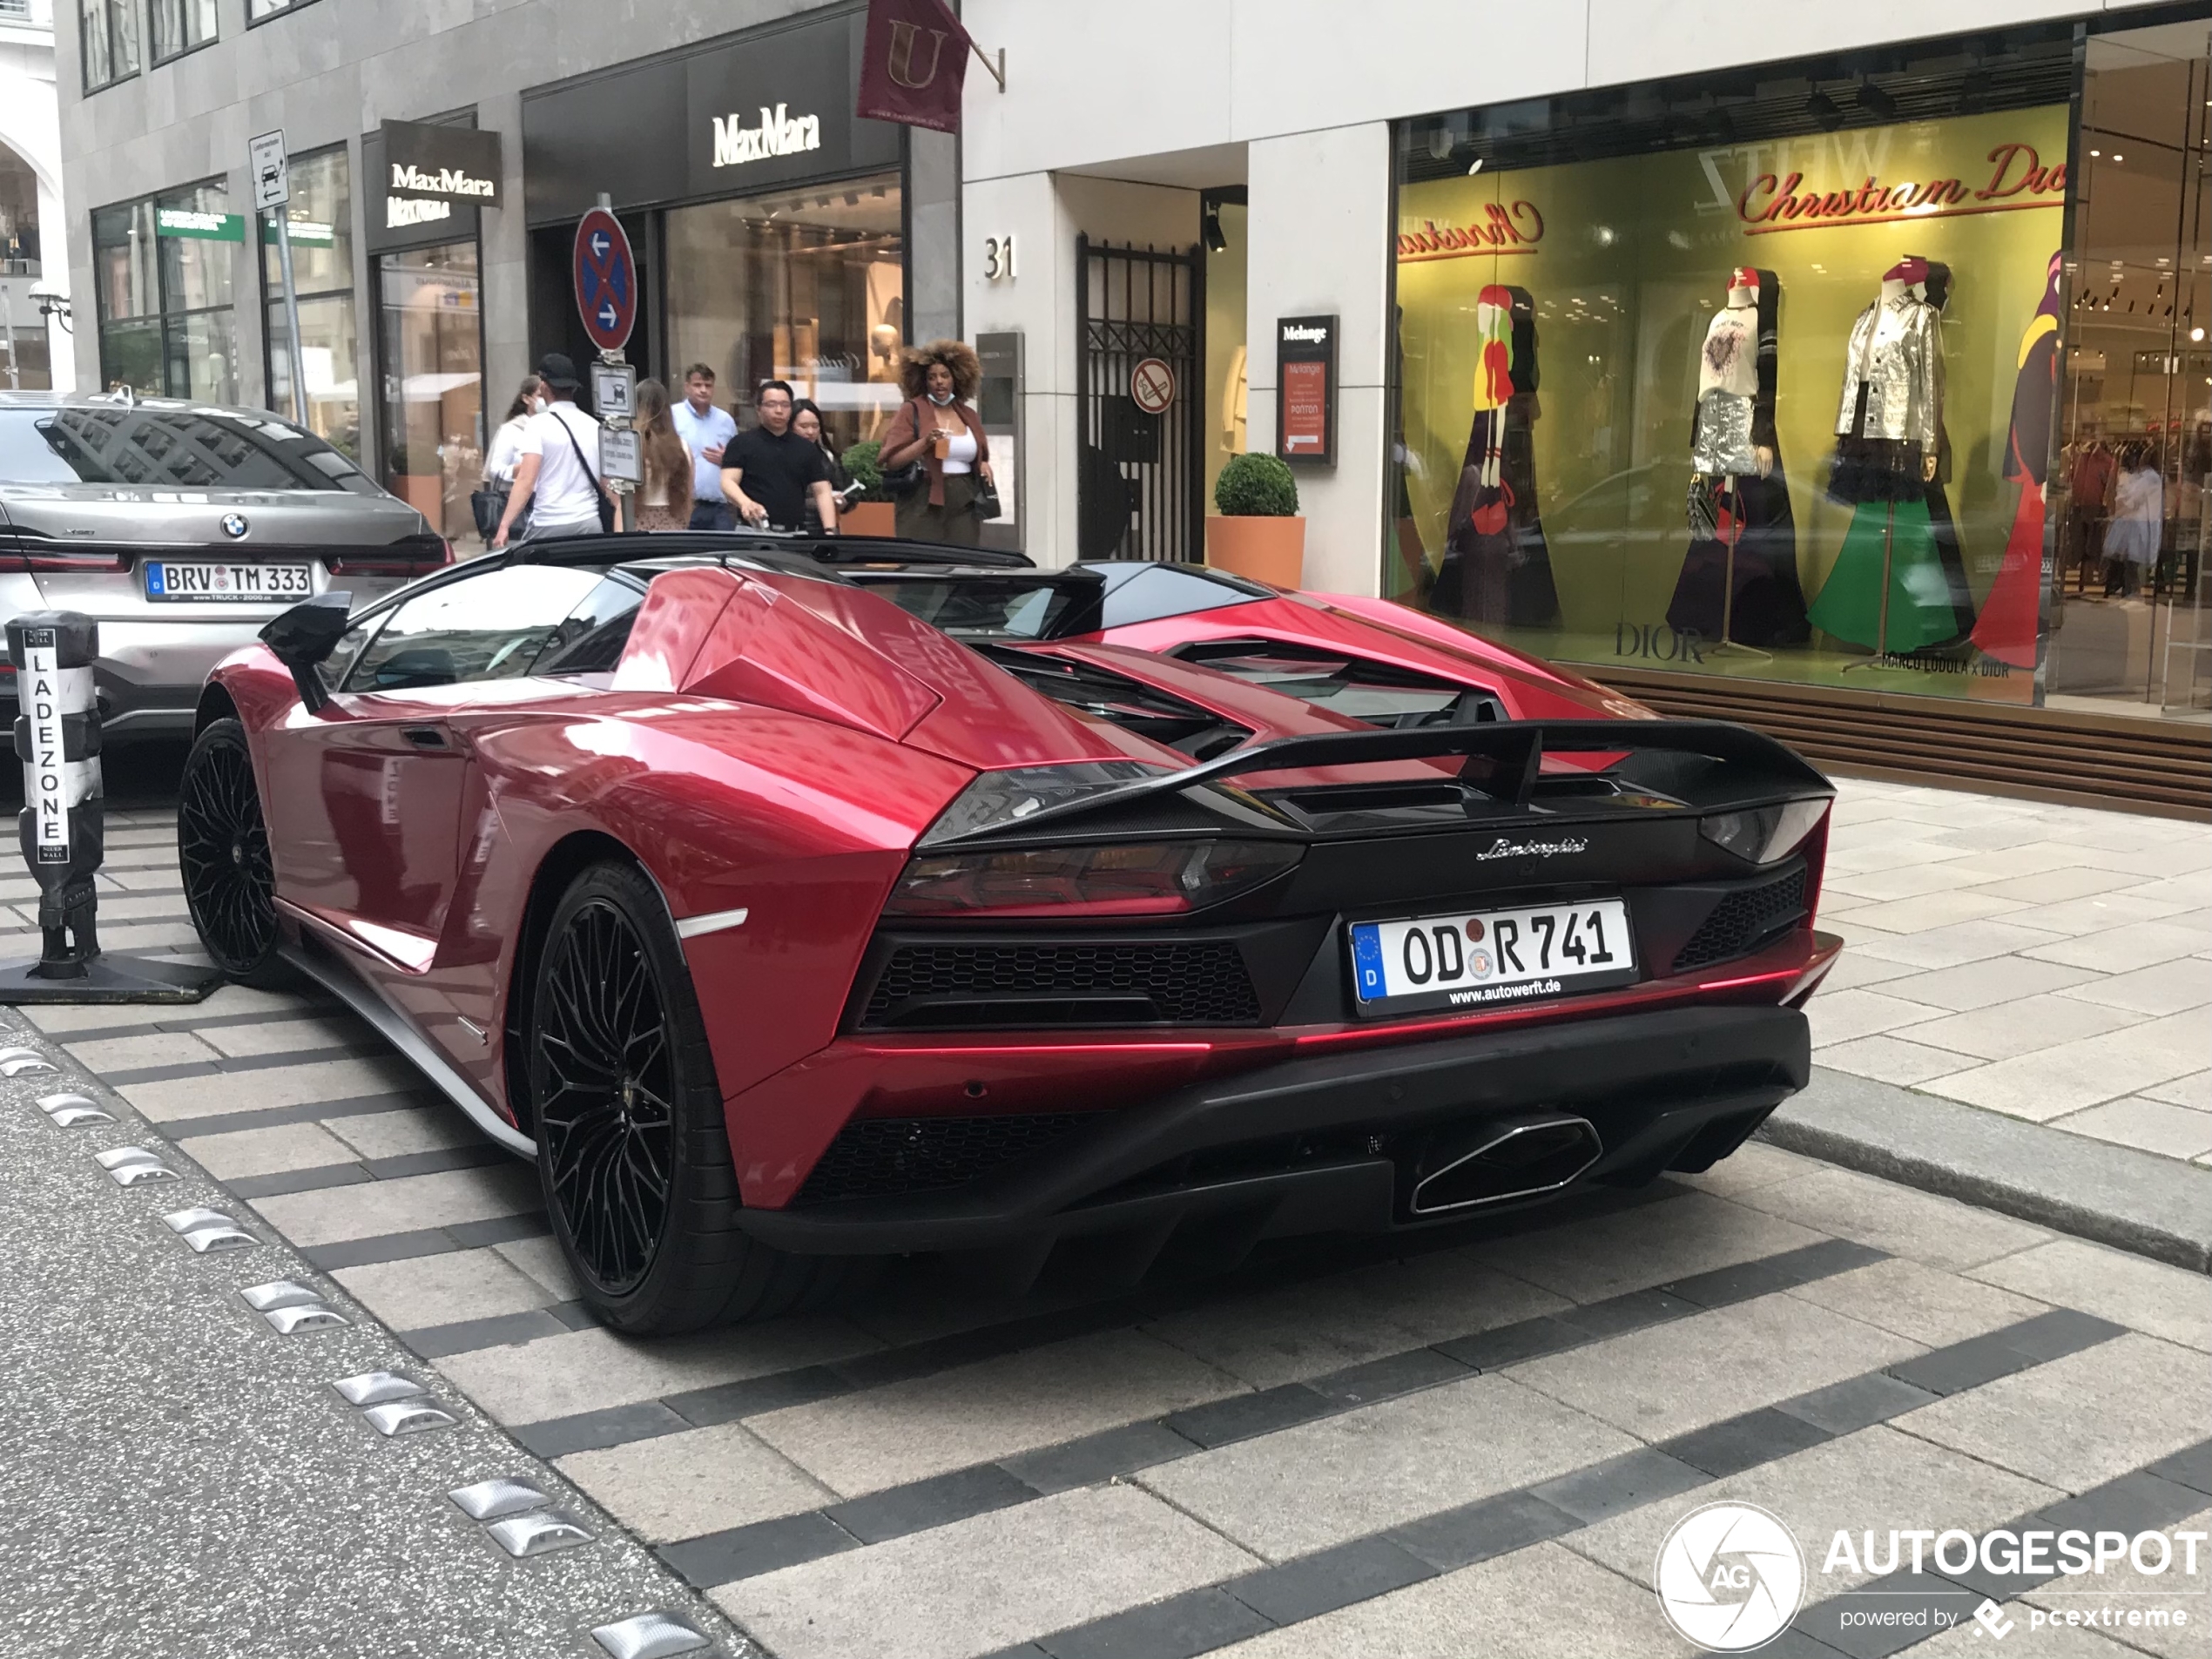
1140,475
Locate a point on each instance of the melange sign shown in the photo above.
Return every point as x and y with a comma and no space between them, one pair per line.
425,161
779,133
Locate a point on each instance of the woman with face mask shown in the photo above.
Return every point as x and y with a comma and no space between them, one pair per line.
938,428
489,503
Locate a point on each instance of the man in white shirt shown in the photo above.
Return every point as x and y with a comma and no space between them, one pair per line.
557,464
708,430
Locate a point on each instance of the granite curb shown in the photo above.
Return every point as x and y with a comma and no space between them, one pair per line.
2114,1194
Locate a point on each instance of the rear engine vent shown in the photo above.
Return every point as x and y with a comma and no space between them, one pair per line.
1744,920
875,1157
1107,983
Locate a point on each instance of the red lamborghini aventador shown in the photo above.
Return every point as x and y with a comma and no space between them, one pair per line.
791,904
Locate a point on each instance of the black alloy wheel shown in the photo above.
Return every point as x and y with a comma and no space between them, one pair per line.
605,1094
223,850
633,1152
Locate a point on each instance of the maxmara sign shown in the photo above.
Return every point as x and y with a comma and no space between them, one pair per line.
426,162
779,133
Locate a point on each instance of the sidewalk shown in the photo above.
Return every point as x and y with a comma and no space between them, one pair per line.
2050,963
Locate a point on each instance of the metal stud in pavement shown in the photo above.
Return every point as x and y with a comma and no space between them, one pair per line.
133,1166
497,1499
21,1060
278,1293
306,1316
538,1534
206,1239
68,1111
649,1635
416,1416
375,1387
17,1051
186,1221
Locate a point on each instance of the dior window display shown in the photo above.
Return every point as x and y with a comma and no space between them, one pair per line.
1497,565
1899,583
1739,579
2010,615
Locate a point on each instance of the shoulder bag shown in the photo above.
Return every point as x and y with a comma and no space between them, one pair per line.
904,480
606,506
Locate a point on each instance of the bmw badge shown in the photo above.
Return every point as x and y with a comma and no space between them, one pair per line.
234,525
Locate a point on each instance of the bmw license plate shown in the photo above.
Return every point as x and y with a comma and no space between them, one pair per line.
1491,958
178,579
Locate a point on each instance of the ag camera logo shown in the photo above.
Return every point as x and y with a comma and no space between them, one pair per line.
1730,1577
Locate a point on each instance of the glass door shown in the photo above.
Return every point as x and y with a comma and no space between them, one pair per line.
2128,496
431,352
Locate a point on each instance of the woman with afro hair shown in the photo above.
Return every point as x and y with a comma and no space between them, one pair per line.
938,427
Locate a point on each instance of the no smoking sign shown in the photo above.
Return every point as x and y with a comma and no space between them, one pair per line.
1151,386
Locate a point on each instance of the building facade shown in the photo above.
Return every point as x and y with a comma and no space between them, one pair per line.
805,254
1842,372
34,278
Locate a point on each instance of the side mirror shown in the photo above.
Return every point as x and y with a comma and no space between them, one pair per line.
304,636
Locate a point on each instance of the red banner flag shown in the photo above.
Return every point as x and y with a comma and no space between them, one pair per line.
913,65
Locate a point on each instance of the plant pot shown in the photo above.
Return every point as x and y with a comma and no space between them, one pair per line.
869,518
1265,550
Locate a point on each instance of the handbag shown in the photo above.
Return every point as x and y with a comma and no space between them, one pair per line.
984,503
904,480
488,505
606,507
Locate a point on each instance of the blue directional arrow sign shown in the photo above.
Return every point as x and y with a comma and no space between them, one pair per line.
606,281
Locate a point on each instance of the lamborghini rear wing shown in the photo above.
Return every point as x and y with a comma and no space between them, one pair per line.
1700,764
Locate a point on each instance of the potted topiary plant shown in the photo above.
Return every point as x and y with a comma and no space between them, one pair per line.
1258,534
875,514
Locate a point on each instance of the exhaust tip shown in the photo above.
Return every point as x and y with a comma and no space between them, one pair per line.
1502,1160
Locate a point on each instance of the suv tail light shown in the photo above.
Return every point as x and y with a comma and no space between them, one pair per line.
1128,879
51,559
409,556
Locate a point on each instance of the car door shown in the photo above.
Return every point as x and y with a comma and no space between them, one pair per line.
365,795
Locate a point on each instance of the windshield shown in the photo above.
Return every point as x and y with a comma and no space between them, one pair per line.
168,449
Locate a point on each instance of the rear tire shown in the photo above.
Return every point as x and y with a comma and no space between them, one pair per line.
223,851
633,1150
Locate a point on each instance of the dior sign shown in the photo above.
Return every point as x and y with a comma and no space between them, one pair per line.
779,134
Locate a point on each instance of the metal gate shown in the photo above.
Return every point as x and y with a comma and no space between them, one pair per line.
1140,475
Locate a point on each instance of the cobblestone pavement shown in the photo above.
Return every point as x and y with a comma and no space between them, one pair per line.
1470,1442
2054,963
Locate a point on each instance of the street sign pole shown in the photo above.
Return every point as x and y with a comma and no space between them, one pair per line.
612,322
292,316
270,167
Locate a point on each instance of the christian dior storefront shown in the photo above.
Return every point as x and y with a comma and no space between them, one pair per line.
1880,375
770,225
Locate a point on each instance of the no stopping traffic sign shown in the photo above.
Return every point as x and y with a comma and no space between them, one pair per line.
606,280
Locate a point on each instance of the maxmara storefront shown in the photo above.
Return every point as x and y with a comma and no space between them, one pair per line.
1855,386
438,168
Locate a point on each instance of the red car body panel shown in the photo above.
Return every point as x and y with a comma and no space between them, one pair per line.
778,745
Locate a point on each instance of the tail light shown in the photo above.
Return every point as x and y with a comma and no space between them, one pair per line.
1763,834
52,559
409,556
1126,878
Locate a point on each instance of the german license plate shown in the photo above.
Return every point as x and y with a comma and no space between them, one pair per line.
1491,958
178,579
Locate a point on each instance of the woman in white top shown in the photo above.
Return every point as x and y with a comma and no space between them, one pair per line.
2138,522
501,456
664,499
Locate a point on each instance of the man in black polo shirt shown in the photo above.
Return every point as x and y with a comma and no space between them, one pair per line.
768,472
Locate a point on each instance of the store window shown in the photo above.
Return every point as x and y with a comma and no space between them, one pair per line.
179,25
808,286
319,218
108,35
256,10
431,352
18,215
2130,606
1743,378
163,268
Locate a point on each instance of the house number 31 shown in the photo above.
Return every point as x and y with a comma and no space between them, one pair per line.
998,259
